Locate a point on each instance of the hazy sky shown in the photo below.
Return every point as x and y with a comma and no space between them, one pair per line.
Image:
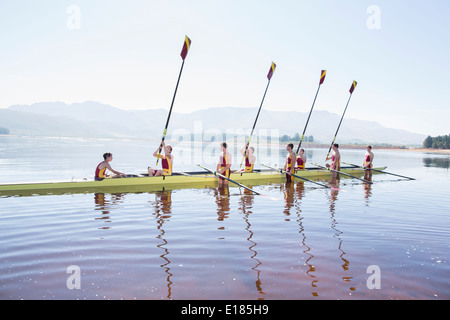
127,54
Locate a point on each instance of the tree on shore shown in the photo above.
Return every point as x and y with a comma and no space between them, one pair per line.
296,137
439,142
4,130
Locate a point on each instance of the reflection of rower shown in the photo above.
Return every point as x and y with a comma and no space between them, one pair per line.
223,203
288,198
104,205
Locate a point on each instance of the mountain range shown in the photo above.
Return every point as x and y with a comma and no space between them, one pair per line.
92,119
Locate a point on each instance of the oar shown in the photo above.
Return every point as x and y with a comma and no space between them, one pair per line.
222,176
184,51
297,176
322,78
393,174
269,76
354,83
340,172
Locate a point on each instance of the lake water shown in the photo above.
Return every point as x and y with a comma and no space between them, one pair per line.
389,240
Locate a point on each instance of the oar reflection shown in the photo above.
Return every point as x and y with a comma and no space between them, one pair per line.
163,212
246,205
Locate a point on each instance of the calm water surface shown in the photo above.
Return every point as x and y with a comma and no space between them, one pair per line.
296,242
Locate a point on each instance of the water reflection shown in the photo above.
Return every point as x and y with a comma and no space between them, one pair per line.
437,162
367,192
246,205
291,206
293,194
105,205
163,212
334,225
222,195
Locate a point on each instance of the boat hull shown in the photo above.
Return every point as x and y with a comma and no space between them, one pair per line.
176,181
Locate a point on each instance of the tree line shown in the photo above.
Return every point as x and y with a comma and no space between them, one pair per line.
287,138
4,130
439,142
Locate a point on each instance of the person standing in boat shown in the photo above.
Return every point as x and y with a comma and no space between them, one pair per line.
224,165
367,164
301,160
100,171
290,162
166,161
250,159
335,161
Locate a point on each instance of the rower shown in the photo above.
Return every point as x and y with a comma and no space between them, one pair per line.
100,171
166,161
250,159
368,159
335,160
301,160
224,165
290,161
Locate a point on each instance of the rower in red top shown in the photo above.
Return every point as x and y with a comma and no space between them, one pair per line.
368,159
100,171
290,162
335,161
166,161
250,159
224,165
301,160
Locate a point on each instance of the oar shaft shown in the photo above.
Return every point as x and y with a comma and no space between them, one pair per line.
254,124
376,170
170,112
222,176
307,121
339,126
340,172
297,176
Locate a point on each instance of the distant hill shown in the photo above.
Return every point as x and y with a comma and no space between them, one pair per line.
93,119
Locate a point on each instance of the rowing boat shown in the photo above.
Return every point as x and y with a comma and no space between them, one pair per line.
144,183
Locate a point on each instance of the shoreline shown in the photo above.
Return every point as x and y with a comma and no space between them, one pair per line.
422,150
306,145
